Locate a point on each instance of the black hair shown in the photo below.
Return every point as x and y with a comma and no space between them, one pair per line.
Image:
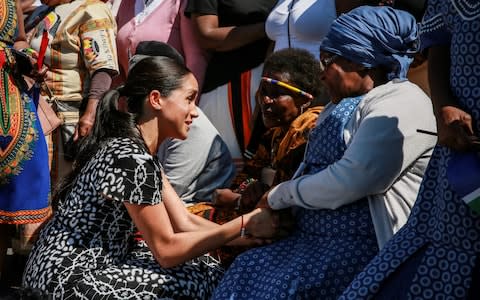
157,48
301,66
152,73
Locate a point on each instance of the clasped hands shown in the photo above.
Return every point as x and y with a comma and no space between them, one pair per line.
265,224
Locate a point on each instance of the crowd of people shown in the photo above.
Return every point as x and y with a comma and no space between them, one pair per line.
213,149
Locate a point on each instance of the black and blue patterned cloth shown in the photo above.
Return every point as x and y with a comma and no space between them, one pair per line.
87,251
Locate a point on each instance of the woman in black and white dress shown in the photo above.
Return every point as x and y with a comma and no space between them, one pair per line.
117,187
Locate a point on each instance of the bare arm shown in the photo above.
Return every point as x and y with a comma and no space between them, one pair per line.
175,236
213,37
21,41
171,248
182,220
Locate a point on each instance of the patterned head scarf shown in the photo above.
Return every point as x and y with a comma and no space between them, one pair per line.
375,36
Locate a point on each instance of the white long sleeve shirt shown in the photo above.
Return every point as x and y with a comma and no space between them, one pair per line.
384,161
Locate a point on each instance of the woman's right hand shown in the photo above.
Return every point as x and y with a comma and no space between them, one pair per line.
455,129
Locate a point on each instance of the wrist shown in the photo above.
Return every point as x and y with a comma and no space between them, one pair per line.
242,227
249,221
91,107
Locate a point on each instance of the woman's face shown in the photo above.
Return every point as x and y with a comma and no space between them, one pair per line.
279,105
340,77
179,109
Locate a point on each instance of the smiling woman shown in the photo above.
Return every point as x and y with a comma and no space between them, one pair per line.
118,187
289,85
289,114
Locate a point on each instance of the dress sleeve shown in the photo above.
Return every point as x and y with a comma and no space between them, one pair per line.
203,7
433,28
133,178
97,36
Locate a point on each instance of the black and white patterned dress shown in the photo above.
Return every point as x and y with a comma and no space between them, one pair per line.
87,250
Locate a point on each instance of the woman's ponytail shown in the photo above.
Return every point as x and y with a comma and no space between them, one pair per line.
109,122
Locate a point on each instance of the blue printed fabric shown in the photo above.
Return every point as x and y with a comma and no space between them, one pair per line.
436,254
328,247
24,173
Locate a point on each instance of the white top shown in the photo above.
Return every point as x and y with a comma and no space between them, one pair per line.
385,159
310,22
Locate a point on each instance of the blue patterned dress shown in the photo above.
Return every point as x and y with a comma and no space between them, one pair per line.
436,254
328,247
24,173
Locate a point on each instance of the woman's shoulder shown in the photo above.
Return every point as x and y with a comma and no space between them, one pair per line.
123,146
398,91
396,98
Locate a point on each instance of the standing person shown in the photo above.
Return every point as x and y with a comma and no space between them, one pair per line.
362,170
234,32
163,21
24,177
81,58
117,187
437,253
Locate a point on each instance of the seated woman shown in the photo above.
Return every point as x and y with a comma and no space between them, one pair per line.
289,113
117,187
363,165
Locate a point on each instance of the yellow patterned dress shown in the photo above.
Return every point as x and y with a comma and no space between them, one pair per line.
24,174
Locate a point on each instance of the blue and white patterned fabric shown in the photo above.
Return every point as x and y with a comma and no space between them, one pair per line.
327,248
436,254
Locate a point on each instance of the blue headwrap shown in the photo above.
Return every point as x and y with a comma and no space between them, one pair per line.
375,36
